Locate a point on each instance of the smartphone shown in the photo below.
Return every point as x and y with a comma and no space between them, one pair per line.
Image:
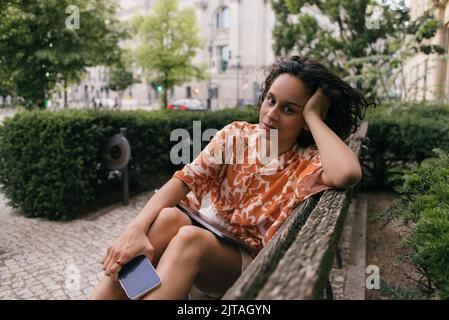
138,277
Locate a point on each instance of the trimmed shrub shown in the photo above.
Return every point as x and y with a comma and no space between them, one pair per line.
51,163
424,206
402,137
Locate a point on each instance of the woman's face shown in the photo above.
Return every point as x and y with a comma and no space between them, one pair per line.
282,109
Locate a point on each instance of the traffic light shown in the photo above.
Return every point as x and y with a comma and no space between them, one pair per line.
157,87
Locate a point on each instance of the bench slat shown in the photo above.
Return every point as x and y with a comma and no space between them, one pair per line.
303,271
252,280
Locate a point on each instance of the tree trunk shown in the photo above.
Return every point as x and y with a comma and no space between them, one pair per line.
165,99
119,102
65,94
40,101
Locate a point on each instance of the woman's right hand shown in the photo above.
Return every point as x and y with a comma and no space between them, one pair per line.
133,242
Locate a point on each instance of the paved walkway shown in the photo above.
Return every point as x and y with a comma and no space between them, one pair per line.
42,259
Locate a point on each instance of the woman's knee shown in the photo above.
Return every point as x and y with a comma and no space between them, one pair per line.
192,240
171,218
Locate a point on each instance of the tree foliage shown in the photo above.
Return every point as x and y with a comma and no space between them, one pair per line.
169,42
360,40
121,76
39,49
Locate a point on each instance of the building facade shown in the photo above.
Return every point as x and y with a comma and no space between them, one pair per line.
427,76
237,50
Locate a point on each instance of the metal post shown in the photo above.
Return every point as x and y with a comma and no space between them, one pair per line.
209,84
237,91
125,186
125,176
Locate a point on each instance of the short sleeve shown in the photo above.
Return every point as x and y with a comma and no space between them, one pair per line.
309,182
207,170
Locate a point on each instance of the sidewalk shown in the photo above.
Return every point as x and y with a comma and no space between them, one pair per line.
348,282
41,259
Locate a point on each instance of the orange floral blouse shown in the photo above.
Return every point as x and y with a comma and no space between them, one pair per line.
252,199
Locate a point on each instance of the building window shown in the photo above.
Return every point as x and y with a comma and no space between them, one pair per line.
224,54
189,92
213,93
222,18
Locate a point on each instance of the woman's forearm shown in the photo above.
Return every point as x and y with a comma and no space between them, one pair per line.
169,195
340,164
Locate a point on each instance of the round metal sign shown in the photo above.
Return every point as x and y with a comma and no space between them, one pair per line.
116,152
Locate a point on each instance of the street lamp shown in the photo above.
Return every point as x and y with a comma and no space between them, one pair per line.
209,86
238,67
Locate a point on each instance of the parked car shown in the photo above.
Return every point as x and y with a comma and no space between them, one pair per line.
187,104
105,103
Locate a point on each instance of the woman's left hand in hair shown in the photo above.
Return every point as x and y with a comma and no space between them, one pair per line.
318,104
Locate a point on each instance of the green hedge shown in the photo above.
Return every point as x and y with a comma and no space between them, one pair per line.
51,165
402,137
424,206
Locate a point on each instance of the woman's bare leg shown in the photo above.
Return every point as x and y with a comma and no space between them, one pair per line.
164,228
196,255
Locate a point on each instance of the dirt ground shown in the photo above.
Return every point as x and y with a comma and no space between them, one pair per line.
382,246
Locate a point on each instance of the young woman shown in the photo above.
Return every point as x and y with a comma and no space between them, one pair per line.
312,111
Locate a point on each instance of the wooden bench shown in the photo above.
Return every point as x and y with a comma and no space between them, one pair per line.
297,262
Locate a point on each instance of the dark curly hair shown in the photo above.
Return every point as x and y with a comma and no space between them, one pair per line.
348,105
